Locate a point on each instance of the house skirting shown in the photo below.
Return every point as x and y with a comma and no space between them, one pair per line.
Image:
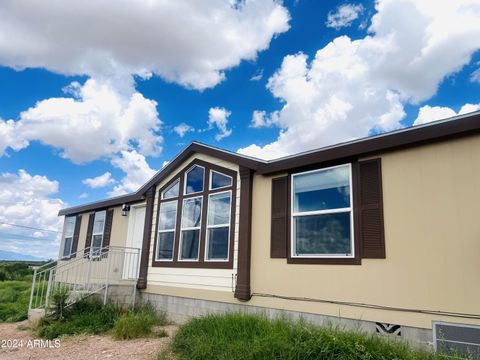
180,309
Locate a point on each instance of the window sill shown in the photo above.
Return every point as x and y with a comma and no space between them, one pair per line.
194,264
325,261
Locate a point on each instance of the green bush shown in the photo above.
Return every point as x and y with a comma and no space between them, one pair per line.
59,299
239,336
139,323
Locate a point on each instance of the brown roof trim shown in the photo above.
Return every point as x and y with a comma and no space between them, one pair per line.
119,200
433,132
196,147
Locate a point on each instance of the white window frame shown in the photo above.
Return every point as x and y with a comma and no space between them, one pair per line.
100,233
199,228
162,197
219,226
69,237
222,187
321,212
185,180
169,230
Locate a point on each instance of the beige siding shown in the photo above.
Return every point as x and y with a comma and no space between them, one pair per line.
431,206
211,279
117,238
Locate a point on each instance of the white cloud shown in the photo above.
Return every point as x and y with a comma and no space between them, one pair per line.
344,16
9,137
29,200
475,76
136,169
182,129
428,113
257,76
218,117
260,119
83,195
99,181
99,122
188,42
353,87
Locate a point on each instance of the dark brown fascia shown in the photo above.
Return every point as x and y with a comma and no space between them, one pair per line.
139,195
104,204
198,148
445,129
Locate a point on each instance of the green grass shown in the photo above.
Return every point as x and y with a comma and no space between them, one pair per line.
240,336
90,316
138,323
14,298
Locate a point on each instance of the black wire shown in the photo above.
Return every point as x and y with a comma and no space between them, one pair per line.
371,306
29,227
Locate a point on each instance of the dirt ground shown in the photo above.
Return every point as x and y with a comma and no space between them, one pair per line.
19,344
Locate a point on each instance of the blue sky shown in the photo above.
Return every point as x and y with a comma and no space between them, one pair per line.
89,114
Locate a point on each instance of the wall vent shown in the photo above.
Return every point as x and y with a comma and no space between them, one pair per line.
388,329
457,339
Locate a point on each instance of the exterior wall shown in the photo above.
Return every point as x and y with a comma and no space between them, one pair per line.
432,232
213,279
117,238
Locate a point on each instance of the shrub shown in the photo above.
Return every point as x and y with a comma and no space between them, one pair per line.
237,336
59,299
139,323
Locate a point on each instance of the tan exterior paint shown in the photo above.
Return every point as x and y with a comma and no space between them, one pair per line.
432,235
117,238
431,207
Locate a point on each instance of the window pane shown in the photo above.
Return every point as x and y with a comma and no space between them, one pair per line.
70,226
165,245
171,191
67,246
192,212
219,180
97,241
219,209
167,216
194,180
190,240
99,221
327,189
218,243
323,234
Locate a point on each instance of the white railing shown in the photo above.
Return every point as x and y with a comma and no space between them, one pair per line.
90,271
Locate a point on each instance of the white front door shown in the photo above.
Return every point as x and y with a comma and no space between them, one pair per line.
136,223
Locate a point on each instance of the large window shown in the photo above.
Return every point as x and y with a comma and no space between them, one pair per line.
195,215
98,228
69,230
322,216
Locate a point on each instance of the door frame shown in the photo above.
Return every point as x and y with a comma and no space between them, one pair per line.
130,231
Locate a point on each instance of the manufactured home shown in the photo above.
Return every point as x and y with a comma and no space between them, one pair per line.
380,234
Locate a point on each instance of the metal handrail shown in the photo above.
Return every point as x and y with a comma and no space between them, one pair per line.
71,273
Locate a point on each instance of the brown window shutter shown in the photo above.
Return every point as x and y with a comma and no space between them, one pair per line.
88,240
76,233
107,231
279,225
370,208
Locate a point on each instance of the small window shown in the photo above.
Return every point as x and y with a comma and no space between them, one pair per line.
218,226
191,225
166,230
194,180
69,230
322,215
172,190
98,228
219,180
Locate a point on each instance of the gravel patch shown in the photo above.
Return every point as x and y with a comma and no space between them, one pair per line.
17,342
